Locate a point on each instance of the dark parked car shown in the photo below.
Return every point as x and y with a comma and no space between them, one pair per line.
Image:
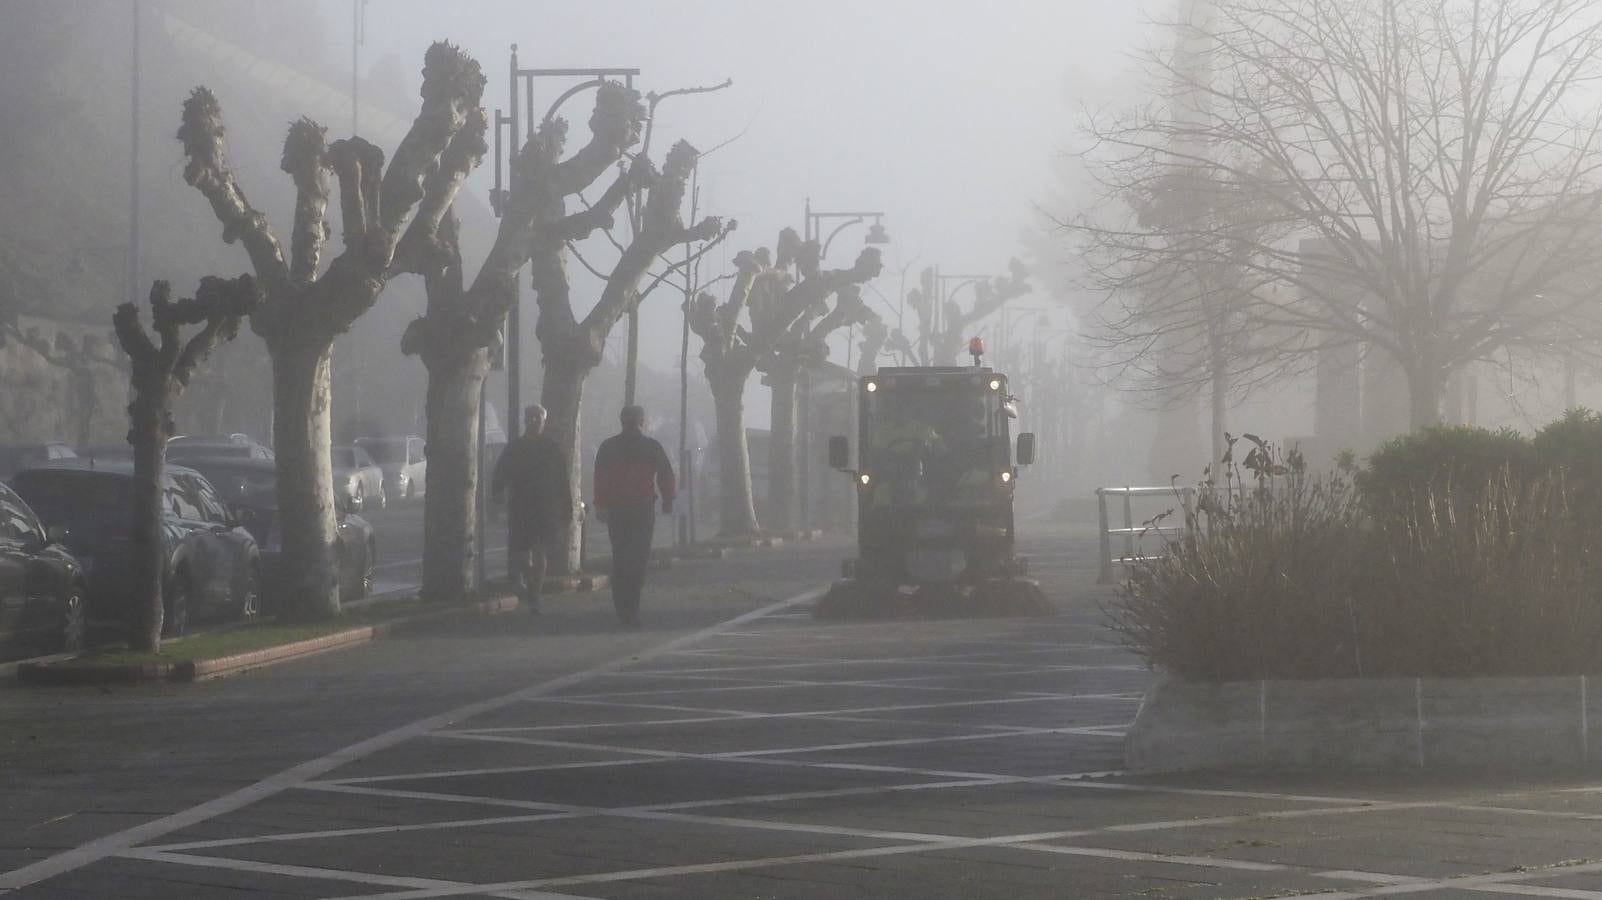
250,486
236,446
42,587
212,566
16,457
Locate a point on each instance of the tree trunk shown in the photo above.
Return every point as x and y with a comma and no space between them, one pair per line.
147,413
1220,386
455,380
1426,388
737,511
301,439
561,394
783,489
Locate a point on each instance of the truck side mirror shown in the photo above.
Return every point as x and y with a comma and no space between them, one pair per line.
1026,448
839,452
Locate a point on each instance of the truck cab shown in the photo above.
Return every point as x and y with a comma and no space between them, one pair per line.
936,471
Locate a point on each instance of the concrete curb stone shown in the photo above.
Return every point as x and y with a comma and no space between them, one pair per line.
42,674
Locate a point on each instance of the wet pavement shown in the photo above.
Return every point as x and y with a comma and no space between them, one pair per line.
772,755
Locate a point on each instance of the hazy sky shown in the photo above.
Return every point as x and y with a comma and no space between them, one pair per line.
945,115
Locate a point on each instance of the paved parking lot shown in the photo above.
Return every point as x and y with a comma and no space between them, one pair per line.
777,756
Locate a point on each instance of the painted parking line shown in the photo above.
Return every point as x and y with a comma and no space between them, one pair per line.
101,848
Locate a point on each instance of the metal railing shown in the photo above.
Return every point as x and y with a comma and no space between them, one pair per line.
1130,531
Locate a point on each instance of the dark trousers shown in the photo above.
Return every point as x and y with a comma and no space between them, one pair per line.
630,528
525,559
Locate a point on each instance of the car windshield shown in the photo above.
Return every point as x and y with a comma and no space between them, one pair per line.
255,486
344,458
386,450
85,504
933,445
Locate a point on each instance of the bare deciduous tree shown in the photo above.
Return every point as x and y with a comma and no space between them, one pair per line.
460,323
945,332
160,370
306,306
1418,177
571,346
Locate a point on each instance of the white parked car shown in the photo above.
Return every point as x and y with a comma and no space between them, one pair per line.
403,461
357,477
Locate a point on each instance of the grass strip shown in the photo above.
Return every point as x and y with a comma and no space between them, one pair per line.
250,637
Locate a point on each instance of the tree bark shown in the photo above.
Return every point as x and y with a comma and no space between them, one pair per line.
783,485
147,415
562,394
1220,389
449,524
737,509
302,439
1426,387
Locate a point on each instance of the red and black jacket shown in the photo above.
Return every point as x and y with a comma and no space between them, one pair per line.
630,469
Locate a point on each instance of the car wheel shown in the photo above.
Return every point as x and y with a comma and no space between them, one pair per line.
248,606
358,499
73,623
383,500
411,490
176,621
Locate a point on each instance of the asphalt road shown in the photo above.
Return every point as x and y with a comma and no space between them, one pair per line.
736,748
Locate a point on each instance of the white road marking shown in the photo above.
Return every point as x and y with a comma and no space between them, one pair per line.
102,847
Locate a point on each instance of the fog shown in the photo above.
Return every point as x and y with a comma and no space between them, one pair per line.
961,121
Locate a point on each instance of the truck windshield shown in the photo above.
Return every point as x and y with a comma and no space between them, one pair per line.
935,445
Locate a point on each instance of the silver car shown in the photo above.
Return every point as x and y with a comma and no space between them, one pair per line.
403,461
358,478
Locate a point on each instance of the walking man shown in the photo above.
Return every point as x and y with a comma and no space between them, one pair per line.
533,471
630,469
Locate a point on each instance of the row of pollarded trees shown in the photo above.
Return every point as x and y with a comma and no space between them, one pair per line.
397,218
1420,179
777,319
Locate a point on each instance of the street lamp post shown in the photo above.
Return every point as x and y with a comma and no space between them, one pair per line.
519,124
813,232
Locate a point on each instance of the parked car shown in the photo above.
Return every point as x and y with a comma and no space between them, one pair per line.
120,452
404,463
235,446
211,565
42,587
358,478
16,457
250,486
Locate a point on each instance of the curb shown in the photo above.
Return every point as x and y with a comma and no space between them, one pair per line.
42,674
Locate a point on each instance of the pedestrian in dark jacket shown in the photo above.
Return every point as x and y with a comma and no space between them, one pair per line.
534,472
630,470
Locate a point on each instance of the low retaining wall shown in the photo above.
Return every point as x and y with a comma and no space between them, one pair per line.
1366,723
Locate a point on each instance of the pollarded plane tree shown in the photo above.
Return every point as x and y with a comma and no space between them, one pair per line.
81,359
792,328
944,333
305,304
1441,158
766,318
462,320
572,345
161,362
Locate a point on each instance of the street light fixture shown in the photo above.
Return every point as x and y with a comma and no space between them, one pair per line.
814,221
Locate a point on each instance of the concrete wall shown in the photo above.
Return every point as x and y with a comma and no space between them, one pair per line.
1366,723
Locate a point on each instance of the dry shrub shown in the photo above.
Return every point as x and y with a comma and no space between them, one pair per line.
1284,574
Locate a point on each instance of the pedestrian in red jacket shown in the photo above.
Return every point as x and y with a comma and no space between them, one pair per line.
630,470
